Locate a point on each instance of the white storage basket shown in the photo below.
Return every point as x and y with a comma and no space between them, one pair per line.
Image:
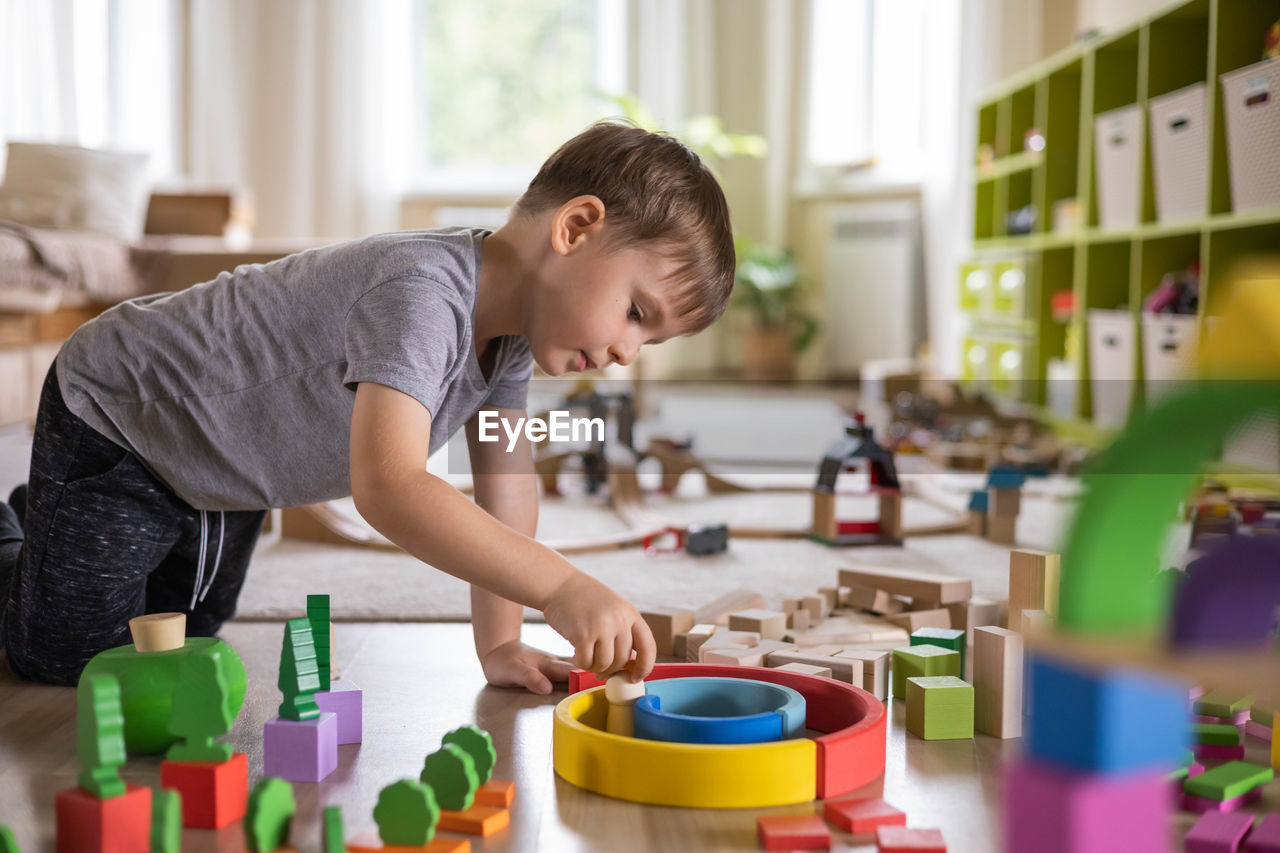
1179,153
1251,97
1168,353
1110,365
1117,144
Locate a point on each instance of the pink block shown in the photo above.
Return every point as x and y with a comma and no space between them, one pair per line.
1049,810
1258,730
1265,837
1194,769
300,750
1235,720
1192,803
1219,752
347,701
1217,832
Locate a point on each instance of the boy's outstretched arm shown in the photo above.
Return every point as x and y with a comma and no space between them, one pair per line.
505,486
433,521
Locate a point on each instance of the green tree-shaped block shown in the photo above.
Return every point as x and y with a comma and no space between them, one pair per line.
299,678
166,821
318,617
334,842
100,735
452,776
7,842
202,708
271,809
406,813
479,746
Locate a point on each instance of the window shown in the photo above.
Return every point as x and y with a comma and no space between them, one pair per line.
500,84
865,83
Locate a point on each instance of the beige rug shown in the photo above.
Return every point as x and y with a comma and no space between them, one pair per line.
367,585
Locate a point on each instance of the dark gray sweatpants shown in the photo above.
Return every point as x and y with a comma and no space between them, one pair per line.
106,541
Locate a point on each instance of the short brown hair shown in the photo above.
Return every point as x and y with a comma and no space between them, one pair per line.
657,194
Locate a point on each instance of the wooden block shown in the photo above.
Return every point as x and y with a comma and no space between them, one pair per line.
738,656
791,605
769,624
1002,529
159,632
1004,503
832,596
917,661
876,600
924,604
498,793
1216,832
899,839
946,589
798,620
824,515
665,623
997,681
718,611
1033,583
891,514
966,615
842,596
875,670
863,815
214,793
817,607
947,638
1036,620
842,669
694,638
940,708
477,820
121,822
807,669
729,639
793,832
977,523
914,620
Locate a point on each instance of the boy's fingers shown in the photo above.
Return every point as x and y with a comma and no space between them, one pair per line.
646,651
603,655
621,652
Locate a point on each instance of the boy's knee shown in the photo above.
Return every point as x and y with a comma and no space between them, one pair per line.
32,667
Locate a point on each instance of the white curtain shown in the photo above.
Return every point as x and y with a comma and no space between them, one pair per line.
307,102
37,75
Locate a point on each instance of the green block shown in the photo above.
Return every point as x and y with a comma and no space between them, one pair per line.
922,661
7,842
451,773
166,821
940,708
269,815
1264,715
406,813
334,841
1179,775
947,638
1222,703
477,743
1218,734
1228,781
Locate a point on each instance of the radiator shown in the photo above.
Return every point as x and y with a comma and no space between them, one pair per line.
874,284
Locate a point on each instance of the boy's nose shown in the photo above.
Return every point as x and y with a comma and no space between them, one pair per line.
623,353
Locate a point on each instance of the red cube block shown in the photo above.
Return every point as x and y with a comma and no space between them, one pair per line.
793,832
863,815
899,839
214,793
120,824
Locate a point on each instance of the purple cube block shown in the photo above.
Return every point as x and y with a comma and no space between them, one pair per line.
1216,832
347,701
1192,803
1050,810
300,750
1265,837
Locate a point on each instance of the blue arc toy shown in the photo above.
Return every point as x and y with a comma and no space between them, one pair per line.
718,710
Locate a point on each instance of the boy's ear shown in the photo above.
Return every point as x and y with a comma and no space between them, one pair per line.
577,218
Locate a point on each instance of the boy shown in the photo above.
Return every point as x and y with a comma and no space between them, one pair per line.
169,424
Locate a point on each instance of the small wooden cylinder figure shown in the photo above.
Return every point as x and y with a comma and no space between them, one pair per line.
158,632
622,693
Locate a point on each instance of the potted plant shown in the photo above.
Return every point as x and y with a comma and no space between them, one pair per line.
768,286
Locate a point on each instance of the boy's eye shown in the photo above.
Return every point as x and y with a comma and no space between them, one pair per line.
635,314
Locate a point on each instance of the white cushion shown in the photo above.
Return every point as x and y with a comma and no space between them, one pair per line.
64,186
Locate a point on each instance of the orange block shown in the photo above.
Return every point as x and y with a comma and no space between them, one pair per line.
120,824
477,820
496,792
370,843
214,793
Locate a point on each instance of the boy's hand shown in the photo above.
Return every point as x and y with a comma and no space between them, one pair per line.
514,664
602,626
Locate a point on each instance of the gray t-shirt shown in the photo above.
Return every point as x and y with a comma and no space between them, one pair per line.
238,392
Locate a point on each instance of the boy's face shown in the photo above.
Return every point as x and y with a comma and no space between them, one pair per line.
598,306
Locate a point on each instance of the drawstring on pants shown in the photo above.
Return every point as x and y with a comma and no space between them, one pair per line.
198,594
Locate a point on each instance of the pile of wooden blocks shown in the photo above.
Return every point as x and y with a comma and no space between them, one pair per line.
993,511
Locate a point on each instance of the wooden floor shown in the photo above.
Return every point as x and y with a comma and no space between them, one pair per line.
421,680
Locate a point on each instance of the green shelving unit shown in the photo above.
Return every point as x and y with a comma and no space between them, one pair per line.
1188,42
